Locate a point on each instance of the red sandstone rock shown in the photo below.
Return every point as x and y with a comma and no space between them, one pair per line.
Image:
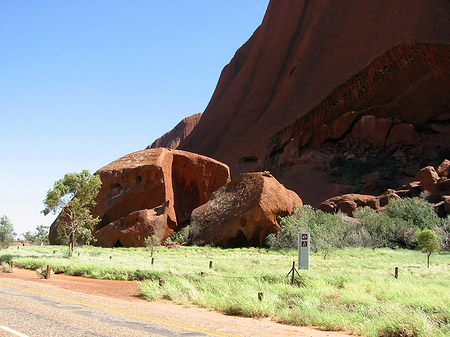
299,54
152,192
303,72
243,212
402,134
132,229
444,169
371,129
172,139
428,180
443,186
348,203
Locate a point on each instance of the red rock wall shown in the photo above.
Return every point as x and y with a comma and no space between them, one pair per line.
172,139
299,54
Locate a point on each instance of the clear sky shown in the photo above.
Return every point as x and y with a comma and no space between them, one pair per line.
85,82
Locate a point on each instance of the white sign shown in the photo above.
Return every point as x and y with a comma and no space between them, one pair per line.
304,249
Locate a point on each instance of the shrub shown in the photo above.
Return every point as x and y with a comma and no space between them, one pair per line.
416,211
323,227
180,236
151,242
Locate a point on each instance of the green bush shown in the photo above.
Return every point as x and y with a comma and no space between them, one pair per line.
324,228
396,227
180,236
416,211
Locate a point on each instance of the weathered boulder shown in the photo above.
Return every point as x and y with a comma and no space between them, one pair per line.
172,139
371,129
402,134
132,229
444,169
243,212
348,203
428,178
152,192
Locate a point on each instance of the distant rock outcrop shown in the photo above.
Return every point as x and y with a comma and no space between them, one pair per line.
432,185
243,212
348,203
172,139
152,192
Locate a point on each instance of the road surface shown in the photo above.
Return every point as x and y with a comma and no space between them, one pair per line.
34,309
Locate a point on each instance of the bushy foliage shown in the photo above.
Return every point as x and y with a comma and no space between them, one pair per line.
40,236
396,227
415,211
74,196
6,232
181,236
151,242
385,230
323,227
429,242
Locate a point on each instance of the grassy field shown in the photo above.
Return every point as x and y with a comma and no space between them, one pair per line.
354,289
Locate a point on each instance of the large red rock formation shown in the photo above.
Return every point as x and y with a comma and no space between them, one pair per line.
172,139
152,192
243,212
397,108
299,54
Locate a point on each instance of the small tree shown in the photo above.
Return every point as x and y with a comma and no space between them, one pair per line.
151,242
429,242
73,197
6,232
40,236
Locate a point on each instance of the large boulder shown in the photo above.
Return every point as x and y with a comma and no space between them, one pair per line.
243,212
429,178
348,203
152,192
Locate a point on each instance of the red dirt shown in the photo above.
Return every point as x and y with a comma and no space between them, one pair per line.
129,291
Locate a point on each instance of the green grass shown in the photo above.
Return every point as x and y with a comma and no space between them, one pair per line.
353,289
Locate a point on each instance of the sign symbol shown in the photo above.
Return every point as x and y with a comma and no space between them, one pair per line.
304,236
304,243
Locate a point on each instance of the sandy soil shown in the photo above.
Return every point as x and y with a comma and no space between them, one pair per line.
129,291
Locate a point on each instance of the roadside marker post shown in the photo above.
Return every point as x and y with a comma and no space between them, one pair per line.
304,250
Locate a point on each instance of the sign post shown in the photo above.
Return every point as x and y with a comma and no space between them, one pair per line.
304,250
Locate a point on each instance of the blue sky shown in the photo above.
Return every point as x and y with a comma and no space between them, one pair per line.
83,83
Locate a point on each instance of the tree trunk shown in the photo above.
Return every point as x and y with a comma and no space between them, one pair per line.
70,244
428,260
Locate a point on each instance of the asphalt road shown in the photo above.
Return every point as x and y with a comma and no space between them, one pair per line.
27,311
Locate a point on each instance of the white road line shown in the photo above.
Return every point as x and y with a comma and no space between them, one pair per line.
14,332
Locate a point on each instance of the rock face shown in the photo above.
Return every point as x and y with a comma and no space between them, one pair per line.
172,139
395,112
431,184
304,50
348,203
243,212
152,192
